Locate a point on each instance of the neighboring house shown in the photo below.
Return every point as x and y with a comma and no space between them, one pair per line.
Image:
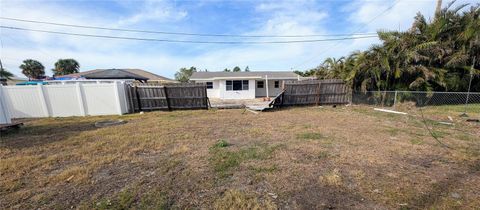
128,74
243,85
15,80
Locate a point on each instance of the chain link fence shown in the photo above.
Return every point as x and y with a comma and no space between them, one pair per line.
442,103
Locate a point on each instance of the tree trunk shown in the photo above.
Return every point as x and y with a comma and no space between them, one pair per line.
438,9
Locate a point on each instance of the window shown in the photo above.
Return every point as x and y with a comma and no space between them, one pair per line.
277,84
245,84
229,85
236,85
209,85
260,84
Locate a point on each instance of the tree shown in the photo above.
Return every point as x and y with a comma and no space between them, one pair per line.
32,69
5,74
184,74
307,73
247,69
66,66
236,69
226,70
436,55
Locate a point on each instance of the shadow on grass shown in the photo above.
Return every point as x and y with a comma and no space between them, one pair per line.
31,135
320,196
442,189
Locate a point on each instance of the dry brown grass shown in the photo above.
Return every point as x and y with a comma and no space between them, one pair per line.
301,158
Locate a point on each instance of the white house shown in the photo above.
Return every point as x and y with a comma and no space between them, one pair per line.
243,85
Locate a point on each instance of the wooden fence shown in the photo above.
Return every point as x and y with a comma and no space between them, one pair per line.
148,97
318,92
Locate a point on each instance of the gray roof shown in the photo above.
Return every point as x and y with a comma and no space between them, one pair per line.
113,74
138,74
259,74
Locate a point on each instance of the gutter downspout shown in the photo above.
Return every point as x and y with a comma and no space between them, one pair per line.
266,83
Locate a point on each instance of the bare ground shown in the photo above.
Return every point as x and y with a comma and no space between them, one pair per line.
299,158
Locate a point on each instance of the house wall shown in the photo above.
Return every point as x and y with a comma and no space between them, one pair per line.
272,91
214,92
231,94
220,90
64,100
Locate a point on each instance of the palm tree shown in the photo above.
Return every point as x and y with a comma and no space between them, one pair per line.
437,55
66,66
32,69
5,74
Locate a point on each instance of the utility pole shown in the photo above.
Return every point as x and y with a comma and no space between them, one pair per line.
469,86
438,9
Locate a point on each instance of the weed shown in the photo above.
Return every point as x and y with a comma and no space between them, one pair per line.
323,155
220,144
264,169
125,199
311,136
307,126
464,137
224,160
332,178
416,141
393,131
234,199
154,200
439,134
103,204
169,165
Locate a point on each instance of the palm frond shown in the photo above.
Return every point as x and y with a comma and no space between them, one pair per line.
426,45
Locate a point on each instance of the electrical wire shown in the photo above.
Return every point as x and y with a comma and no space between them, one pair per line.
185,41
430,131
182,33
360,28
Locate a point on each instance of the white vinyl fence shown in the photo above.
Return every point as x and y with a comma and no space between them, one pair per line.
65,100
4,113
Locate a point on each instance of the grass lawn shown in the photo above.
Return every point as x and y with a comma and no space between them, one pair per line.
300,158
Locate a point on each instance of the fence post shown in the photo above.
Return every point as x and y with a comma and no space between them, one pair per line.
138,99
395,100
469,86
317,101
81,104
206,97
131,103
117,98
166,97
351,95
43,101
3,106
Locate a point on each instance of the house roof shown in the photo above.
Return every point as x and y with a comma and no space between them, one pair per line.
252,74
137,74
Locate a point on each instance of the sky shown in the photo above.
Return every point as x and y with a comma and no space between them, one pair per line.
238,17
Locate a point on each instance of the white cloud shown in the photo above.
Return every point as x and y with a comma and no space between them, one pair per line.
159,11
272,17
399,17
101,53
